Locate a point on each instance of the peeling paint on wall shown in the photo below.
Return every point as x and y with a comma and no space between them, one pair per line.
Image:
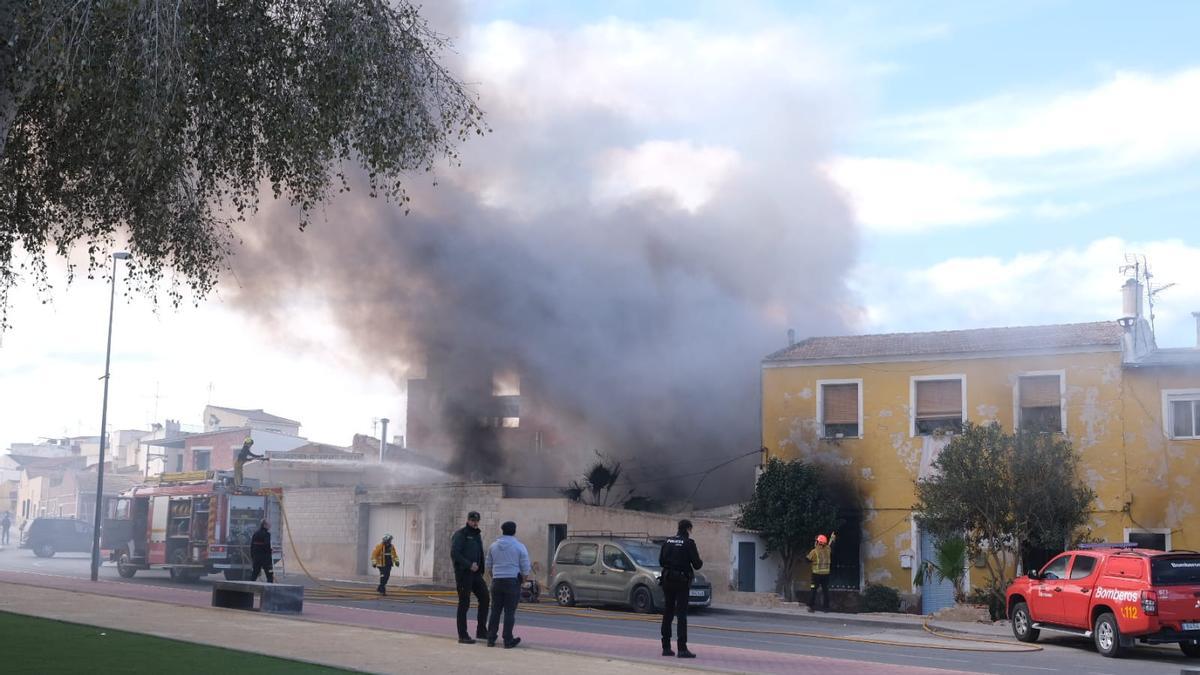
986,413
878,575
876,550
867,473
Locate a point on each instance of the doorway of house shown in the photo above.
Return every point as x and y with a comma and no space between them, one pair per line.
747,556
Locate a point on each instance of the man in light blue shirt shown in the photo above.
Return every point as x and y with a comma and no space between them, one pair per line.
508,561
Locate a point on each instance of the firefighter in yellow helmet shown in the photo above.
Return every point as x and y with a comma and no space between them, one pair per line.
821,559
383,558
244,455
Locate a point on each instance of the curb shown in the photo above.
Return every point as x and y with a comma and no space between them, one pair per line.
817,617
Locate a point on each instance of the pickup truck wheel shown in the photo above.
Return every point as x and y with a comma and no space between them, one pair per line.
1190,648
643,600
1022,624
565,595
1107,635
125,567
44,551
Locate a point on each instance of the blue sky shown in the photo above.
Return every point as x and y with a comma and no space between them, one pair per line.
1001,160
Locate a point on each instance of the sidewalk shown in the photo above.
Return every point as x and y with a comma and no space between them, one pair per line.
349,647
378,640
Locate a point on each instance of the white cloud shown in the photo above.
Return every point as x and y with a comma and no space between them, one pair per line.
682,170
898,195
992,158
1132,121
1055,286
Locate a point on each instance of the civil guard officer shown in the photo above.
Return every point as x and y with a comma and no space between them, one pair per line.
679,559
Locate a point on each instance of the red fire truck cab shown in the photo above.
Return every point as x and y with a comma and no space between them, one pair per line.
192,524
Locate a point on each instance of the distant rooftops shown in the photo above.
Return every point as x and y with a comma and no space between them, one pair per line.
257,415
1095,336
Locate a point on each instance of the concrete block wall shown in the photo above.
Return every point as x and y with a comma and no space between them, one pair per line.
322,531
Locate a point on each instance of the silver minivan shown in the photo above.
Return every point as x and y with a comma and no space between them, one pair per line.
615,570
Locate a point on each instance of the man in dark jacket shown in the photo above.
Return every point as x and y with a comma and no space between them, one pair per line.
679,559
260,553
466,551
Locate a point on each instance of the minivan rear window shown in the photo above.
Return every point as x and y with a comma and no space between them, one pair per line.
566,554
1175,571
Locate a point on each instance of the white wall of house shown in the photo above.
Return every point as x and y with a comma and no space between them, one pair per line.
766,572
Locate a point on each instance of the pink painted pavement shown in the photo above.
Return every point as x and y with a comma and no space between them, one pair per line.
712,657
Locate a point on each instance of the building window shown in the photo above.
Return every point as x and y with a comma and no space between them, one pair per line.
1181,412
201,460
1154,538
938,405
1039,403
839,404
179,462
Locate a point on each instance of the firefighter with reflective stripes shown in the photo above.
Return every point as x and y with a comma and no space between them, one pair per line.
821,558
384,558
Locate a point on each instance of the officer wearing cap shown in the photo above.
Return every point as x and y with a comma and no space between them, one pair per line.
466,552
383,558
679,559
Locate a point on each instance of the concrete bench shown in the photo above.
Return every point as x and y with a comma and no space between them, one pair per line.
274,598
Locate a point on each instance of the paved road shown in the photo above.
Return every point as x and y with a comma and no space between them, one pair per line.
764,633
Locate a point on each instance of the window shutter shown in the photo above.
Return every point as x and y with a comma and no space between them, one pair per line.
840,403
1040,391
939,398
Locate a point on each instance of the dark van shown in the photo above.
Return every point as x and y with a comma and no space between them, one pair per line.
47,536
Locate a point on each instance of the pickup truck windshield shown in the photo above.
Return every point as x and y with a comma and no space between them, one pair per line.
1175,571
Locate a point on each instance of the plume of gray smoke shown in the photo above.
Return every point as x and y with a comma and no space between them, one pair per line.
637,328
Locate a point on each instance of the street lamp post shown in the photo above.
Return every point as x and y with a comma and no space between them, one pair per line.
112,299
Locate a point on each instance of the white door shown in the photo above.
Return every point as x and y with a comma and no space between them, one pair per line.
406,524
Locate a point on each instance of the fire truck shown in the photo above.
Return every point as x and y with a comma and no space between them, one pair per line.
191,524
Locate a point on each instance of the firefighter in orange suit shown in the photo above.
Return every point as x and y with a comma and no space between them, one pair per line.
384,558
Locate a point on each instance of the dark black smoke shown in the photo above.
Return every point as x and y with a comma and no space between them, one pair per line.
638,328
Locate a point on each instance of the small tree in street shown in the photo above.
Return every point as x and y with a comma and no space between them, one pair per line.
999,490
789,508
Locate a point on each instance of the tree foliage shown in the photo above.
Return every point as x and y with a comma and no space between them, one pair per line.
998,490
160,122
791,505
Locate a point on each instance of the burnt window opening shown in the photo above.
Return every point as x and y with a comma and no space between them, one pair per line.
201,460
1040,403
938,406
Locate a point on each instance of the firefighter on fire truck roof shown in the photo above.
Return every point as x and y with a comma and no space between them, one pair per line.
244,455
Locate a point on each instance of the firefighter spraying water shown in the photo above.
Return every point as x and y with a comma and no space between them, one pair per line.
245,455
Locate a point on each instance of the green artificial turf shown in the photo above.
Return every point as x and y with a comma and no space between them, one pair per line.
34,645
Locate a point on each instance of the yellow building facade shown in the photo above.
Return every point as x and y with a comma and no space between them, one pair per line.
877,407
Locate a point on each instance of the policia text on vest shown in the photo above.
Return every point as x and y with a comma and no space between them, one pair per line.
679,559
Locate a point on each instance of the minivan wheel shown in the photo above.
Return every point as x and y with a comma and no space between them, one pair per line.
44,551
1190,648
565,595
1107,635
1022,624
643,601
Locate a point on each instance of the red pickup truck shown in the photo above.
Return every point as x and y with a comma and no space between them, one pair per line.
1115,594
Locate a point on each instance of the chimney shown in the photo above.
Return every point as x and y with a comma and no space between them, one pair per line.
1196,316
383,437
1131,300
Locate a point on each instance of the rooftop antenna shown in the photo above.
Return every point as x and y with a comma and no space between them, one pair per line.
1151,290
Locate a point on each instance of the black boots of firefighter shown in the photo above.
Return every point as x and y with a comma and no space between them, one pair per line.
667,651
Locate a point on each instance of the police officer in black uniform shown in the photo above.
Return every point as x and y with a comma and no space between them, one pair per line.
679,560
